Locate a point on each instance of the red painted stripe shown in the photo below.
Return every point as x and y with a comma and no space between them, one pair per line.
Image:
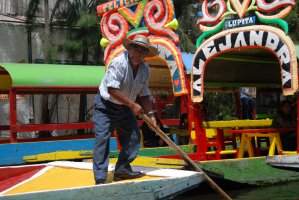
10,176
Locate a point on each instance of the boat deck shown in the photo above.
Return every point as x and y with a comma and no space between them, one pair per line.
63,177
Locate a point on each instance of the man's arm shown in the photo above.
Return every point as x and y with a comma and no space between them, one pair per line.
146,105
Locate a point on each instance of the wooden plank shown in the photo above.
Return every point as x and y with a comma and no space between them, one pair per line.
237,123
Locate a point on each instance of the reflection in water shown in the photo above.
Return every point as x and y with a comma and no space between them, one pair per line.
289,191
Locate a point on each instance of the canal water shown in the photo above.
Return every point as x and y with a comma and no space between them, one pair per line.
288,191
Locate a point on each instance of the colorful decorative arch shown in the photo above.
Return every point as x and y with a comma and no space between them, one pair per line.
153,18
171,54
258,36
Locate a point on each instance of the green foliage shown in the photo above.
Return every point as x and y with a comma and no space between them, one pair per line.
293,21
87,20
187,18
73,48
186,44
82,38
33,8
221,105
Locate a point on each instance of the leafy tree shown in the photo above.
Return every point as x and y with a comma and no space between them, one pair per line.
293,21
34,7
186,14
80,17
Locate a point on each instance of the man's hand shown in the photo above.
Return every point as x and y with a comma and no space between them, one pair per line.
119,96
153,118
136,108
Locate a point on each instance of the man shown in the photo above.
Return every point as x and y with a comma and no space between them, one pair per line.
248,96
127,78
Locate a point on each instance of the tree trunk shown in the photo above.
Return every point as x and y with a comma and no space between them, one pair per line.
83,97
45,118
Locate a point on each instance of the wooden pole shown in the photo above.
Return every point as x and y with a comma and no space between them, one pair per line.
183,155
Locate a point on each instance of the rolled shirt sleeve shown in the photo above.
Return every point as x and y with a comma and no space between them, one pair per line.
114,76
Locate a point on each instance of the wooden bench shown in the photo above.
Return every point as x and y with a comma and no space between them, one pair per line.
271,133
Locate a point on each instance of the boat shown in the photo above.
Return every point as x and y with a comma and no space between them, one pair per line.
74,180
243,172
253,171
290,162
226,172
249,171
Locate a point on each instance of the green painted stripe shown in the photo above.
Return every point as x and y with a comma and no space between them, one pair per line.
210,32
46,75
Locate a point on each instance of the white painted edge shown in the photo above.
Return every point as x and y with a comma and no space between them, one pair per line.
77,165
21,166
175,173
158,172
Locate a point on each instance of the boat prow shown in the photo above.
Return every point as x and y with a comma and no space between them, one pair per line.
290,162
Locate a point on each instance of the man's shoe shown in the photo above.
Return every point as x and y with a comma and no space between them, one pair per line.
130,175
99,182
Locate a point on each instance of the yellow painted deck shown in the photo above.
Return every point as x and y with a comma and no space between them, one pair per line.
62,178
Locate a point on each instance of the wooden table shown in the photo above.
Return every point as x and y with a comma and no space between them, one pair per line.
271,133
219,127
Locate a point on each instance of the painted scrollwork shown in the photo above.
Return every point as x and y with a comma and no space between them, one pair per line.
156,15
207,17
274,5
114,28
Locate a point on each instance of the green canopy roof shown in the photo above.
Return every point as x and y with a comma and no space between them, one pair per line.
49,75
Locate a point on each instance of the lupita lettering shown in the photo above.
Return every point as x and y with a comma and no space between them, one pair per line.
240,22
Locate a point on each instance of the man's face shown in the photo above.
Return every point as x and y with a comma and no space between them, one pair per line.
137,54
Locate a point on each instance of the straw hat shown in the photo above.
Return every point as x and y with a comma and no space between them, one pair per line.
142,41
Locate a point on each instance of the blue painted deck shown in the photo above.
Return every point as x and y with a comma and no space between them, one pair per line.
12,154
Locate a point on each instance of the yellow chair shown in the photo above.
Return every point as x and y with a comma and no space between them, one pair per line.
215,145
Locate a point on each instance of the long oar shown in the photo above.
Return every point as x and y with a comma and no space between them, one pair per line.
183,155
